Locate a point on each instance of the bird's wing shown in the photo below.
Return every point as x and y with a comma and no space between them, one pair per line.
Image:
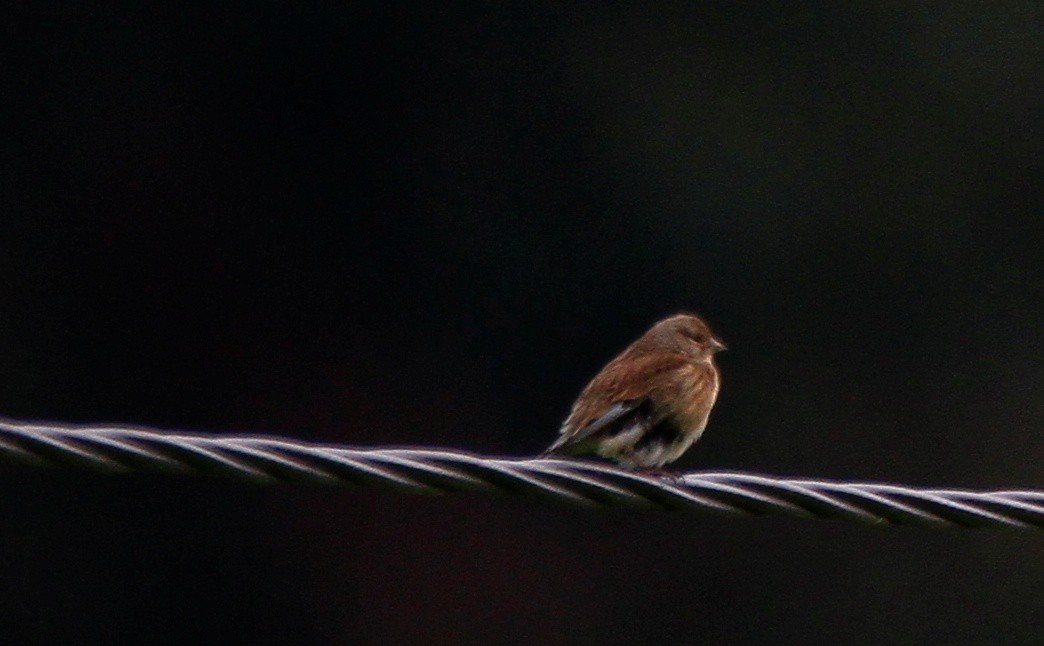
621,415
619,399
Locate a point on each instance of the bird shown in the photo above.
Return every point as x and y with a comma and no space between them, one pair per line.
648,405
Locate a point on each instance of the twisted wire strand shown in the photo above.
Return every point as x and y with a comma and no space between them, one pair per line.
433,471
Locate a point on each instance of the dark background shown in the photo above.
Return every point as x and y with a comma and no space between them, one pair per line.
410,225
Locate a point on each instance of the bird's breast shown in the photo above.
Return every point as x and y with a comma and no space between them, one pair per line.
699,390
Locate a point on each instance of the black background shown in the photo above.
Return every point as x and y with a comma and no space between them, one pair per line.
431,224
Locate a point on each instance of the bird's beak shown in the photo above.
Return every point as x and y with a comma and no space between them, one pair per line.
717,345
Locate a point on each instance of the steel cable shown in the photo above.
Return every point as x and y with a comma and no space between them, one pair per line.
433,471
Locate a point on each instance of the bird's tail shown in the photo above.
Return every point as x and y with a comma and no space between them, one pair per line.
569,444
559,447
549,452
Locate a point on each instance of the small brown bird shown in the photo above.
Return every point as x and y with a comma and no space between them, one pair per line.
649,404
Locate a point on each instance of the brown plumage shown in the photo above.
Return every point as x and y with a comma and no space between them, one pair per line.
649,404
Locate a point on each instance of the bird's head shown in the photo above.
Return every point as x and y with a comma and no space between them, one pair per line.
689,334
